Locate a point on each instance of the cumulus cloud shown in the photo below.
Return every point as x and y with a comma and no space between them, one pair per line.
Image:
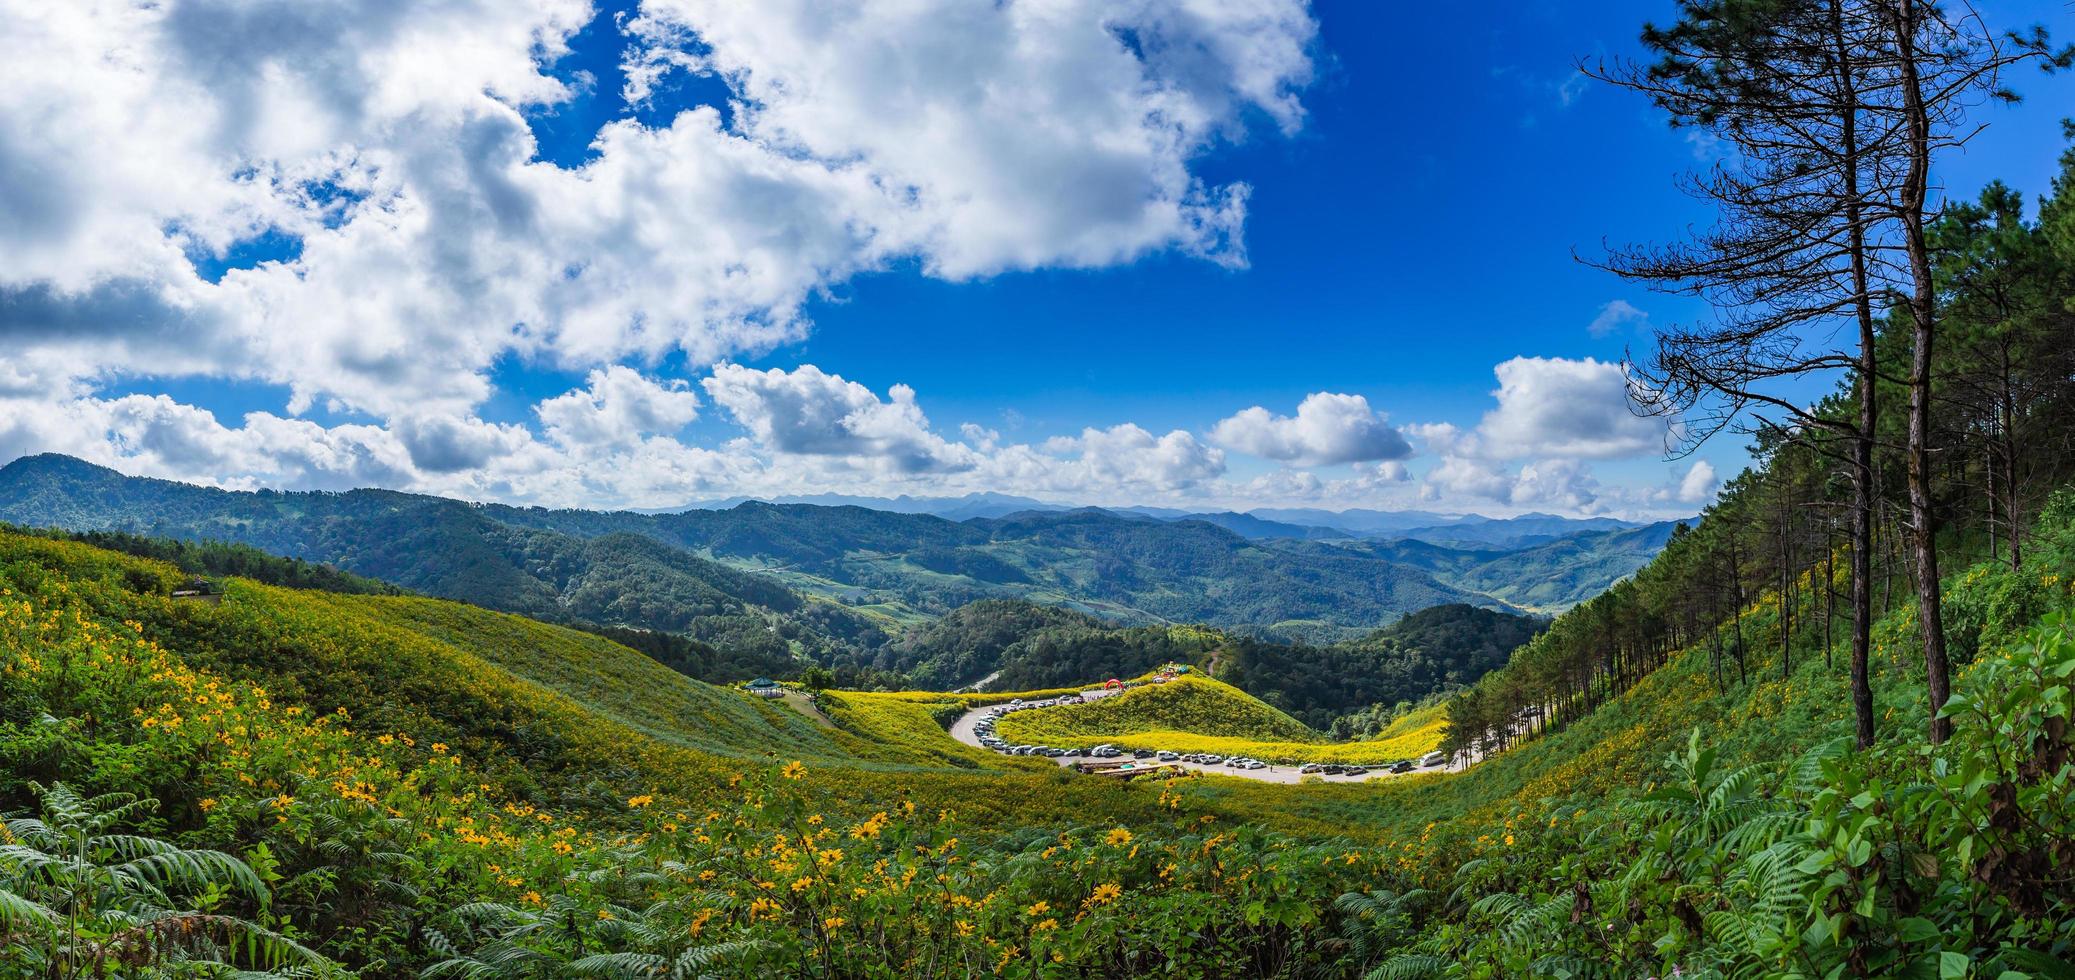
808,411
1028,134
446,444
617,407
1129,455
1328,428
1699,485
389,145
1553,407
157,436
1551,484
1617,316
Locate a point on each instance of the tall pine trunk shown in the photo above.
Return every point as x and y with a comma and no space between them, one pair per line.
1869,401
1922,315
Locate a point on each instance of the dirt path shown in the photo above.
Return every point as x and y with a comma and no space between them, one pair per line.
966,729
800,702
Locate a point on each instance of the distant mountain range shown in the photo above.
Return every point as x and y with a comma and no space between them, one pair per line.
1261,523
837,582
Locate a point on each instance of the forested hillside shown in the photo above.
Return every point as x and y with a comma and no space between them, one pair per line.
1545,575
455,550
783,586
1019,646
1136,569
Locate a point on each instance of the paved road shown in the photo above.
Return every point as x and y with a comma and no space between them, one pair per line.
965,729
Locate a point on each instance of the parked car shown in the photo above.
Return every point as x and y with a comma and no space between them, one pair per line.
1432,759
1354,771
1311,767
1141,753
1165,756
1254,764
1403,765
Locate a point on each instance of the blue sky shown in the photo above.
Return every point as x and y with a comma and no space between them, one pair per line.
1407,233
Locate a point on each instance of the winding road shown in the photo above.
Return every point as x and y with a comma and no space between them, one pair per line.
966,729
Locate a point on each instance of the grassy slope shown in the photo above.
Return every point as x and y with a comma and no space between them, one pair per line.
1203,715
1770,720
558,717
1197,705
541,709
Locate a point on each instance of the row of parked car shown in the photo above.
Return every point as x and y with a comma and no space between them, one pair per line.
984,728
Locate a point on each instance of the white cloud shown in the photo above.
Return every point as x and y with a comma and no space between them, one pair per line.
1026,134
1126,456
1699,485
1464,476
1328,428
1617,316
448,444
1552,407
1559,484
617,407
810,412
389,141
157,436
1552,484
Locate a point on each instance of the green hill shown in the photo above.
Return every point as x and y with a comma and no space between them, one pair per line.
1186,704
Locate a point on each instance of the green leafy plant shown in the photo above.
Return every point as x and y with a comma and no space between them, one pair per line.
79,899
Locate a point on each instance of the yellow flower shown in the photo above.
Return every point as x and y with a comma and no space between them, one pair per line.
637,802
964,928
793,770
1509,840
1118,837
1038,909
803,883
833,922
439,746
1106,893
1048,925
207,805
